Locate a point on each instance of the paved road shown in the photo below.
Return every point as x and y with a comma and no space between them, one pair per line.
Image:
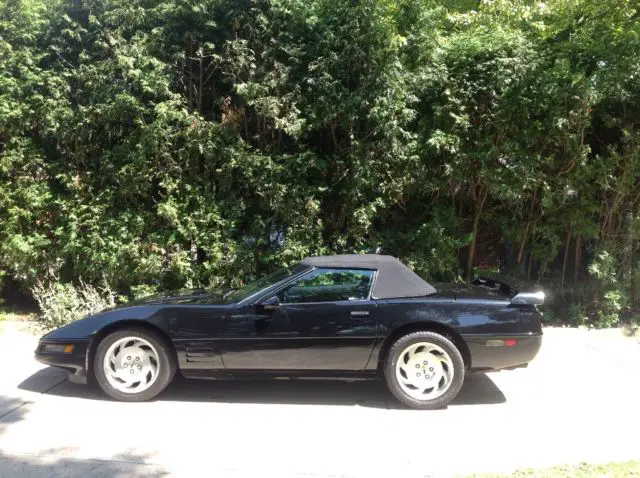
577,402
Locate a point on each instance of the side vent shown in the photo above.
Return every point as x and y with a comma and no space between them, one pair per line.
202,352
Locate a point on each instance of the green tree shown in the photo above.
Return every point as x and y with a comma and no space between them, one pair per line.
171,143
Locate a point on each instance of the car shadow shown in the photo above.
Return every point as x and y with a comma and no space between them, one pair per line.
477,389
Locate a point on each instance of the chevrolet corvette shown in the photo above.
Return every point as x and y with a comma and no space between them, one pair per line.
345,316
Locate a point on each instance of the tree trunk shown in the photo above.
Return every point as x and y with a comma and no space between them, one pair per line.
201,85
479,204
525,237
213,99
566,256
627,258
190,78
635,275
578,259
472,246
527,229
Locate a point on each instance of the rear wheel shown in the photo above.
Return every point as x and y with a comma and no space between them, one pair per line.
424,370
133,365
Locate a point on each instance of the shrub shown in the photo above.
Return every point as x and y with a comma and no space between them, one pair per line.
612,304
62,303
610,300
547,315
577,313
143,290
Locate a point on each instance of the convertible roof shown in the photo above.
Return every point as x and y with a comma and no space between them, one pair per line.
394,278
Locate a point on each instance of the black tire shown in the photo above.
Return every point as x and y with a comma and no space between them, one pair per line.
393,355
166,365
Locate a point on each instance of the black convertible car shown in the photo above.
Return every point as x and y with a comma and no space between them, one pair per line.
332,316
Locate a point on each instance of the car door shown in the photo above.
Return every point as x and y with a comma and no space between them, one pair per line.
325,320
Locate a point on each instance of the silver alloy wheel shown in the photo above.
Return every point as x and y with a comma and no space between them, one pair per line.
131,365
424,371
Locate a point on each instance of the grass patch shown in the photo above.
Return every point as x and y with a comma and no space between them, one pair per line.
583,470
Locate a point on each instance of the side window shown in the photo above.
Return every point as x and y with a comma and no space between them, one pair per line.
329,285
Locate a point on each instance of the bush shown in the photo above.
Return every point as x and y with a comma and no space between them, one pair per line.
578,313
63,303
610,300
143,290
548,316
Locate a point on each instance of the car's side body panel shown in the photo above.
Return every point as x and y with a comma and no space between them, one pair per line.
307,336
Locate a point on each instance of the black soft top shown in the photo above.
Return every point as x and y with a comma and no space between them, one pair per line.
394,278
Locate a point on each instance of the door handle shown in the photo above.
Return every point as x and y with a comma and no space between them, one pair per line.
360,313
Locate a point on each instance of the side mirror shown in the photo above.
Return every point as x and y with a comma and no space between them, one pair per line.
528,298
270,304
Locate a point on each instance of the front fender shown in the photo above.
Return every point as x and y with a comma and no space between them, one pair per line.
87,327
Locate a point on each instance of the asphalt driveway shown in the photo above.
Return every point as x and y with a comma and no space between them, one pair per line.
579,401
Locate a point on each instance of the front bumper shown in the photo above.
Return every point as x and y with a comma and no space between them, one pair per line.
74,362
487,356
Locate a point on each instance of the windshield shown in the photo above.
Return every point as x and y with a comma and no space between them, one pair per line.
256,286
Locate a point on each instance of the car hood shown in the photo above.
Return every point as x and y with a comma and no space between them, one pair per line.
144,309
184,296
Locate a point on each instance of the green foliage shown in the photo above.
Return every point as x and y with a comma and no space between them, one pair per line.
175,144
143,290
336,278
610,298
578,313
62,303
548,316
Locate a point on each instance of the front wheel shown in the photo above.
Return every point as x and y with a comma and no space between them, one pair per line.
424,370
133,365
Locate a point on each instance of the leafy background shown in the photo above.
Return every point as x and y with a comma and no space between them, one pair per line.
160,144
